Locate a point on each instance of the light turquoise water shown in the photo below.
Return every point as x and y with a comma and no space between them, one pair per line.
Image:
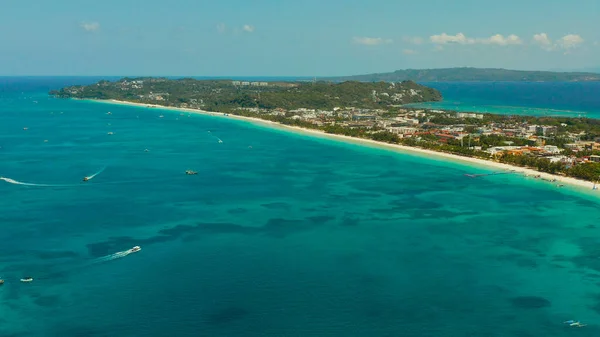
296,236
462,106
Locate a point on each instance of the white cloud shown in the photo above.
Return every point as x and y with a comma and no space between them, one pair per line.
90,26
221,28
500,40
444,38
570,41
248,28
370,41
567,42
462,39
413,39
409,52
543,41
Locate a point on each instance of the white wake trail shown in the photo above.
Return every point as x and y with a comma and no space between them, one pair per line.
111,257
97,173
15,182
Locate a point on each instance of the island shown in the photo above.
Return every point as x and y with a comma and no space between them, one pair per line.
567,146
472,74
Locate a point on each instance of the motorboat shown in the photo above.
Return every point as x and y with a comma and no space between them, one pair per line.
109,113
161,116
27,279
134,249
1,282
190,172
110,133
86,178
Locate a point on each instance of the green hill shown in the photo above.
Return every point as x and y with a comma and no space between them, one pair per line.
225,94
471,74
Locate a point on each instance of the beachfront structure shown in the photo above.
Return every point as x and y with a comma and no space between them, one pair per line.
468,115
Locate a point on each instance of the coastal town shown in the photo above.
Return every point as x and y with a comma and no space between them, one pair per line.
383,112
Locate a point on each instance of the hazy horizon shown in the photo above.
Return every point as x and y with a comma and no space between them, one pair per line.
311,38
590,70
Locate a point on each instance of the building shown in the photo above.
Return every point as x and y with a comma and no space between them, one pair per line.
468,115
595,158
236,82
402,130
551,149
356,117
545,130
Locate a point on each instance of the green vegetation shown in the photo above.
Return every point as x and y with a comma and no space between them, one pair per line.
471,74
224,95
374,111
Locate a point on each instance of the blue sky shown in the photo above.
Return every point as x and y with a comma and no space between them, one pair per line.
293,38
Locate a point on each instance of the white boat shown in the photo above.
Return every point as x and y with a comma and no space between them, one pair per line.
134,249
161,116
27,279
110,133
109,113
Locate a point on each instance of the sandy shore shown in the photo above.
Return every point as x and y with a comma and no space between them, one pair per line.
580,184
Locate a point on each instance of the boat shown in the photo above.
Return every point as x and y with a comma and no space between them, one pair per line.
25,129
86,178
109,113
27,279
134,249
1,282
161,116
190,172
110,133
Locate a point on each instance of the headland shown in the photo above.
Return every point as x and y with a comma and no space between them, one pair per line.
557,149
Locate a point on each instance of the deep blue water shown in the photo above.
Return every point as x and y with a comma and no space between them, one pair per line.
293,236
520,98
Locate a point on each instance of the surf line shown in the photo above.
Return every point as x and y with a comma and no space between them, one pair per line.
487,174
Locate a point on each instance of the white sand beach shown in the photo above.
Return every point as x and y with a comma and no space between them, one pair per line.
551,178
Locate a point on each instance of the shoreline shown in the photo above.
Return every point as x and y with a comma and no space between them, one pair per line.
547,177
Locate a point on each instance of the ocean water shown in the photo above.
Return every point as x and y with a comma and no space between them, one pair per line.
279,234
571,99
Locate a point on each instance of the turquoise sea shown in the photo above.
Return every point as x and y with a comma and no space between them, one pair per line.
279,233
570,99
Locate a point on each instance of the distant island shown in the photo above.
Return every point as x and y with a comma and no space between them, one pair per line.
226,95
471,74
376,112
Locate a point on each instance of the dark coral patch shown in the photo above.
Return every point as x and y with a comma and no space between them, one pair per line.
530,302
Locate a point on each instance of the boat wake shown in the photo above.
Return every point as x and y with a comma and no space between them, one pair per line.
87,264
95,174
15,182
116,255
218,139
110,257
